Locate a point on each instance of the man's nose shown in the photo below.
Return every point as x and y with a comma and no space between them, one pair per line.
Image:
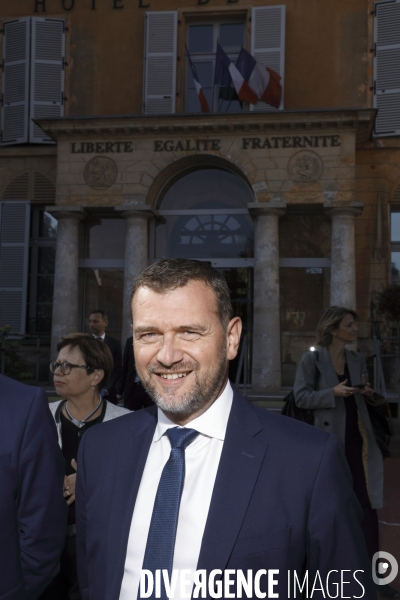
169,353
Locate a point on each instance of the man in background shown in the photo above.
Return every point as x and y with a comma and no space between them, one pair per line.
33,512
98,322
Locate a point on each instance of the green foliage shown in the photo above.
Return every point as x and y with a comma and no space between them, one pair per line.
389,303
15,366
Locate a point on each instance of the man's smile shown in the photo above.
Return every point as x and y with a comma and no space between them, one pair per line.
172,375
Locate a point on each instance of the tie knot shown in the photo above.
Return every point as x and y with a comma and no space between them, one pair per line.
181,437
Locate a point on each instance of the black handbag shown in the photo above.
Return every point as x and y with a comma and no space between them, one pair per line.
380,417
290,408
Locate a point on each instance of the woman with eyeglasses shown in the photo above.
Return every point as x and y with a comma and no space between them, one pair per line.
81,370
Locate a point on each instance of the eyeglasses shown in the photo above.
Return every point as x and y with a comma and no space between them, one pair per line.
66,367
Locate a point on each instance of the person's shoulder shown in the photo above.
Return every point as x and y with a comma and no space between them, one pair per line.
281,426
53,406
111,340
354,354
311,355
289,439
113,411
19,393
113,428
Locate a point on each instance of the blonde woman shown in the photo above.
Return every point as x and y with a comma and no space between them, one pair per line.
332,381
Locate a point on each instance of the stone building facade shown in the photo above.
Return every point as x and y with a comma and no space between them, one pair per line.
297,206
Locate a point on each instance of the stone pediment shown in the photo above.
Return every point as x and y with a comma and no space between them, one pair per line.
361,121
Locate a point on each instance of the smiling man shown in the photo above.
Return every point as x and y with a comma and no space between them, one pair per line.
206,482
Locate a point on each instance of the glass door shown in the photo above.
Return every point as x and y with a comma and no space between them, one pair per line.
240,283
101,270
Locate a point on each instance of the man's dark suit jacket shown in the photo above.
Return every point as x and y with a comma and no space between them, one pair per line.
282,500
33,512
135,396
115,347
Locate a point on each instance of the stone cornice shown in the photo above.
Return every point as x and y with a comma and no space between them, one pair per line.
215,124
66,212
258,209
143,211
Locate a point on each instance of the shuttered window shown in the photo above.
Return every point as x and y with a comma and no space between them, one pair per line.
387,68
33,51
268,43
47,74
14,248
159,86
15,82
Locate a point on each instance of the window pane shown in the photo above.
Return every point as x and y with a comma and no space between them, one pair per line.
107,239
304,293
205,236
103,288
193,102
395,267
231,35
208,188
229,106
47,225
200,38
46,260
305,236
43,318
204,72
395,227
45,284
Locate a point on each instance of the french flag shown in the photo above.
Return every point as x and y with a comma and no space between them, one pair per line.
264,82
223,66
202,99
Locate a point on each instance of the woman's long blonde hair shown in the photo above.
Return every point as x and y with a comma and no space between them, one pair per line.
331,319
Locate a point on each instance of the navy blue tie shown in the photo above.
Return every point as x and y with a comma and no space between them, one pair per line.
160,545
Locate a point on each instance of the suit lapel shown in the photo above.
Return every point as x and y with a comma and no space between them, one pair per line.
326,368
132,456
241,460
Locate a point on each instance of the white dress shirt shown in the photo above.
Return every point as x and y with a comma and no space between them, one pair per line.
202,458
99,337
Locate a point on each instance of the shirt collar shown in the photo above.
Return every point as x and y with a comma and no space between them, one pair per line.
212,422
99,337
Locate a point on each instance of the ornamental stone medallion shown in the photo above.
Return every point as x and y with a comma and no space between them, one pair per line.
100,172
305,167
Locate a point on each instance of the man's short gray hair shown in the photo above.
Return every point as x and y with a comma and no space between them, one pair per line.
173,273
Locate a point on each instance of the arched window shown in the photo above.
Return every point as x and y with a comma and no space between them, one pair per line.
206,217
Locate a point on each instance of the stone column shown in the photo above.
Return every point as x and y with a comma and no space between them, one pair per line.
343,264
136,254
266,375
65,298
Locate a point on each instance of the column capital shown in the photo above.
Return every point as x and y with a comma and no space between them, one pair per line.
143,211
258,209
351,210
66,212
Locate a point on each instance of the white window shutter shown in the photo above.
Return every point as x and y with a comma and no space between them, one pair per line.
47,74
15,81
268,44
14,255
387,68
159,81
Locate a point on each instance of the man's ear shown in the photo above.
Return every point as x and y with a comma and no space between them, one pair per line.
234,331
